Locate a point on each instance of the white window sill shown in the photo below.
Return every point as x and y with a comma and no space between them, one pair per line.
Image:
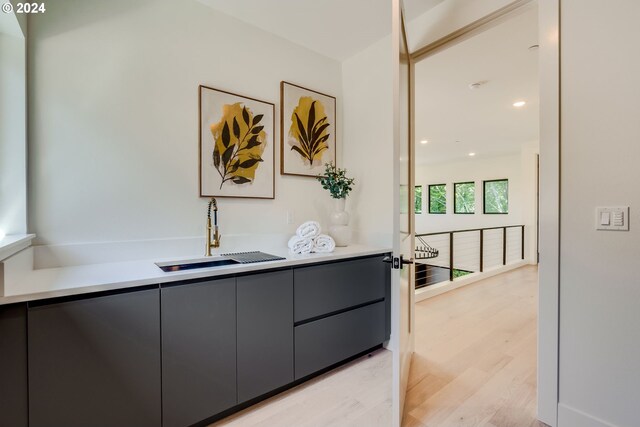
14,243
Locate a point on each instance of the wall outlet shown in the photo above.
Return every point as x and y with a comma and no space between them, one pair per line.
290,217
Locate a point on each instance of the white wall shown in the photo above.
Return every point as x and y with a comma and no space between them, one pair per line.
599,284
13,183
368,134
520,170
114,119
20,17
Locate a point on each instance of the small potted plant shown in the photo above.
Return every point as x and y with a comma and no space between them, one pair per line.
335,180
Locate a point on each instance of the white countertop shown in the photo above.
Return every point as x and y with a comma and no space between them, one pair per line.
30,284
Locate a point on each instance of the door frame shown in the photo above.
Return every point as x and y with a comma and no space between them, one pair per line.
549,179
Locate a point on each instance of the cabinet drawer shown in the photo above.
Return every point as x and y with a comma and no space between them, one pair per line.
324,342
326,288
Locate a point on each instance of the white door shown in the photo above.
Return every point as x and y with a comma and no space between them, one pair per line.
403,240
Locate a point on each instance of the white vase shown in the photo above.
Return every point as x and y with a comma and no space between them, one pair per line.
339,229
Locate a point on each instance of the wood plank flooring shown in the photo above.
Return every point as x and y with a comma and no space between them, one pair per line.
357,394
475,358
474,366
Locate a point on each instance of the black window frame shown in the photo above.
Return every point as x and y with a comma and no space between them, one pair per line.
445,199
484,196
455,205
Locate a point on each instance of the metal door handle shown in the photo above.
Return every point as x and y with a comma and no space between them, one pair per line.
404,261
396,262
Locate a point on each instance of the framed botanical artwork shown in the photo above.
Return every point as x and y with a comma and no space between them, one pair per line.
237,154
307,130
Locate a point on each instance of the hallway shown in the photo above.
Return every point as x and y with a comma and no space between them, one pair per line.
475,355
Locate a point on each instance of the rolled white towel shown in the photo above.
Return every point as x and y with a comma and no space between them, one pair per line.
323,244
309,230
300,245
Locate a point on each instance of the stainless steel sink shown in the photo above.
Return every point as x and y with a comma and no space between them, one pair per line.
218,261
191,264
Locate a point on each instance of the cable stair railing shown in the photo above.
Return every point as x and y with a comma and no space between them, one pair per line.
468,251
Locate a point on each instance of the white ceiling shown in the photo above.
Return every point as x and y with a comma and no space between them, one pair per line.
415,8
457,120
334,28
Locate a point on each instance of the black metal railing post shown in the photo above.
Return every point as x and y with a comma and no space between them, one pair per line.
451,256
504,245
481,250
429,252
522,241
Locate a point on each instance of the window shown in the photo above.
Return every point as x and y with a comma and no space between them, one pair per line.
464,201
438,199
418,199
496,196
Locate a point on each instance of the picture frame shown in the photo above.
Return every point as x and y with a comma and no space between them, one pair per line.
236,145
307,130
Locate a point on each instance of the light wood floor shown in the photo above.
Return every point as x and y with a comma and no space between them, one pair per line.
475,365
357,394
475,359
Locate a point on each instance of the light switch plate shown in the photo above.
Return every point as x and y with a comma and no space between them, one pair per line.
613,218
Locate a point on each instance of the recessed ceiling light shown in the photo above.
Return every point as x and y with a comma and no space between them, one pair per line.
472,154
424,141
519,104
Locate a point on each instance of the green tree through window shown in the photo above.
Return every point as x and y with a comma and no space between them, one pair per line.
465,197
496,196
438,199
418,199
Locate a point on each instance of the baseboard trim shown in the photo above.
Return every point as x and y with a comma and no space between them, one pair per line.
571,417
440,288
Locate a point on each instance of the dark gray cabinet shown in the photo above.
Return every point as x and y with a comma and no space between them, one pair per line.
325,342
265,333
96,361
326,288
176,355
198,351
13,360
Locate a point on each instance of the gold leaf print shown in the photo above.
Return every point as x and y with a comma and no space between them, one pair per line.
238,143
309,130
